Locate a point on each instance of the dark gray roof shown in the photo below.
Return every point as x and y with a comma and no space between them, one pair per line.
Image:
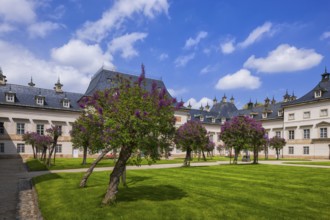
103,79
224,109
323,85
25,96
196,115
271,109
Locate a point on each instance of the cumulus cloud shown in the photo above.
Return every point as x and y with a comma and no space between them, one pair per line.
181,61
285,58
20,11
197,104
325,35
6,28
124,44
116,15
207,69
84,57
193,42
256,35
240,79
228,46
163,56
19,64
177,92
41,29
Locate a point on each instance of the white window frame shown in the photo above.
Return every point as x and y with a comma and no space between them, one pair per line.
291,150
307,115
264,115
20,148
318,94
213,120
58,148
278,134
2,148
10,97
280,113
223,120
291,134
40,129
20,128
39,100
66,103
306,150
307,133
323,132
201,118
291,116
323,112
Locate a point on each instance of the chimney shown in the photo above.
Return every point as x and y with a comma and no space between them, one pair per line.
215,101
232,100
250,104
224,98
207,107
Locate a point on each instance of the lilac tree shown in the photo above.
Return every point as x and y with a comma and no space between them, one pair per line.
277,143
53,132
191,136
243,132
30,138
209,148
132,119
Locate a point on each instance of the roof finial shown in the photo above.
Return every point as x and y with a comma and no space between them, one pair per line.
325,69
31,83
58,86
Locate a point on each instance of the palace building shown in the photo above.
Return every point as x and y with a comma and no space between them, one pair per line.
304,122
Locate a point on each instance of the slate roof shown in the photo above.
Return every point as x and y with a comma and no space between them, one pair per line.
323,85
103,79
25,96
195,115
224,109
271,109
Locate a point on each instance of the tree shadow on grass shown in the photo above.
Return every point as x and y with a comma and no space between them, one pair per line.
152,193
136,179
46,177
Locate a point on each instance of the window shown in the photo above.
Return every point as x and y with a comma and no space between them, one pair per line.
2,128
201,118
318,94
20,128
278,134
291,116
40,101
264,115
211,137
324,112
66,103
59,127
291,150
20,148
213,120
219,137
307,114
189,117
58,148
223,120
280,113
2,147
306,150
307,134
323,132
40,129
10,98
291,134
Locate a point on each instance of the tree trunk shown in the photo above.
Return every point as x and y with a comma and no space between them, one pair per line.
117,172
255,155
34,152
123,177
187,160
83,181
54,156
84,156
51,151
231,149
204,158
277,154
236,156
43,155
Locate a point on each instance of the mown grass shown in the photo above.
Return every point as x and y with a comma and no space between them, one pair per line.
75,163
217,192
321,163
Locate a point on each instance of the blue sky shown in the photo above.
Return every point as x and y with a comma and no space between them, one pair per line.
200,49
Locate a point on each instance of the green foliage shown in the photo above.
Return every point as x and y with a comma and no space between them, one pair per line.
261,192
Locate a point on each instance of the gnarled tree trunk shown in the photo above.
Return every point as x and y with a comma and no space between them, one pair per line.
236,155
91,168
117,172
187,160
84,156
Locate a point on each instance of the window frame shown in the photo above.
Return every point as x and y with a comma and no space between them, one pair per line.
278,132
66,103
291,134
291,116
323,132
325,112
309,115
10,97
307,133
2,128
2,148
20,148
290,150
40,129
39,100
306,150
20,128
318,94
58,148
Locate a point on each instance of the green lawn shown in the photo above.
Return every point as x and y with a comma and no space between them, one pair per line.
321,163
217,192
75,163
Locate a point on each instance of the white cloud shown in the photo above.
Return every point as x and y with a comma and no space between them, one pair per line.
325,35
177,92
197,104
21,11
228,46
256,35
83,57
41,29
124,44
6,28
58,13
19,64
193,42
285,58
183,60
163,56
240,79
116,15
207,69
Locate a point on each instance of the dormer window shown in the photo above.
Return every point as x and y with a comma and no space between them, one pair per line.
189,117
318,94
10,97
202,118
40,100
223,120
66,103
213,120
280,113
264,115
